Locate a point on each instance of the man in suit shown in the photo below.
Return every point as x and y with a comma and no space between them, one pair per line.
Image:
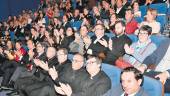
96,83
73,74
29,70
37,80
9,66
116,44
98,41
131,81
120,9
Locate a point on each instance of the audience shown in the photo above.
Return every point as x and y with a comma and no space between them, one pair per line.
37,47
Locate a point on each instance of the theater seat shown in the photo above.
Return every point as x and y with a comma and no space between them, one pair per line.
160,7
152,86
113,72
139,19
76,24
162,19
167,94
155,39
133,37
158,39
143,10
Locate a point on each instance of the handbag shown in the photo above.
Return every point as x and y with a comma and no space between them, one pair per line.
122,64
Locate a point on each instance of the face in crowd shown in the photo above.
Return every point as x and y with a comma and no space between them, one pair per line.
99,30
131,80
78,62
119,28
40,48
51,52
144,33
62,55
93,66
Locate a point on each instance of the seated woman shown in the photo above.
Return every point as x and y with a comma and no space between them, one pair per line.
150,20
135,6
138,51
81,42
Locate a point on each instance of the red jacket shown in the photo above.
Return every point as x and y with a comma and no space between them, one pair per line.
131,26
23,52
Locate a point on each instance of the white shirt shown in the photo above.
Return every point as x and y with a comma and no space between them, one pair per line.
133,94
155,26
118,10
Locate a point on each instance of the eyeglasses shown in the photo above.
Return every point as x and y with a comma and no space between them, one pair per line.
143,33
38,46
60,54
99,29
76,61
90,62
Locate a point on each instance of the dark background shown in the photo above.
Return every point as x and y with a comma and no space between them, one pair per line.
15,7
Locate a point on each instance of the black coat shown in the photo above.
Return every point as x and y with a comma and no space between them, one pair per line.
117,48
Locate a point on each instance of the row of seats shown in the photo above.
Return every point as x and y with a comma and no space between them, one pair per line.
162,8
155,39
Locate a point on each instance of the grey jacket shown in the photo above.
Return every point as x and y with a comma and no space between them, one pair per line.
118,91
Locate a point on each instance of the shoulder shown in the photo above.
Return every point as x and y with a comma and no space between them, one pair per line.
142,92
114,91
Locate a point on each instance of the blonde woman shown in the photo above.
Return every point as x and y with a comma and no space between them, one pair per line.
150,21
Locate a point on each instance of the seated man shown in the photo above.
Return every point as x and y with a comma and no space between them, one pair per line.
37,80
98,41
160,64
73,74
29,70
131,81
96,84
116,44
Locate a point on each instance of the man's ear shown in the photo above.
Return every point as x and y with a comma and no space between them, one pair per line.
124,29
139,82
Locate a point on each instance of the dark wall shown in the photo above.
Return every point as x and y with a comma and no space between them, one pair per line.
15,7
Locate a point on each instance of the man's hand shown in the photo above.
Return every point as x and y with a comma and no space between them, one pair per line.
53,73
44,65
110,44
103,42
37,62
142,68
59,90
128,49
163,76
66,88
31,54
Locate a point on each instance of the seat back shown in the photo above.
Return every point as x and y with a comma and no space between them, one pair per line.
143,10
162,8
155,39
152,86
162,19
113,73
